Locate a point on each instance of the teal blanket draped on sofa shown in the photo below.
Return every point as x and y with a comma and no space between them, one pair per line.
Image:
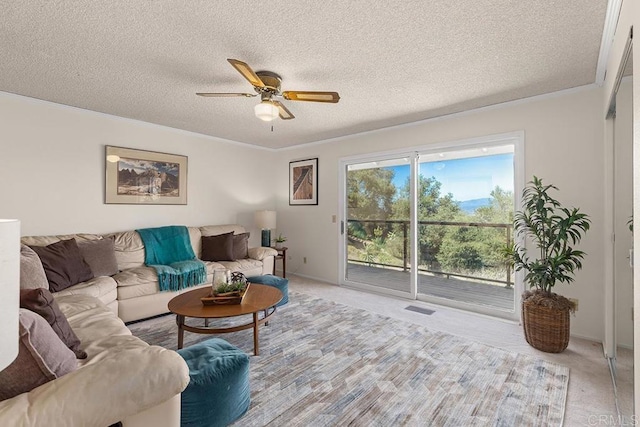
168,250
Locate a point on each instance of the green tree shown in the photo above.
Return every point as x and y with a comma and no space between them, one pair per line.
370,195
432,206
471,249
499,211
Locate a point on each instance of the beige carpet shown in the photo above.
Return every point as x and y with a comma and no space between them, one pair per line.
323,363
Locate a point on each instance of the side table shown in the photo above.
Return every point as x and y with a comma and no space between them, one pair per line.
282,254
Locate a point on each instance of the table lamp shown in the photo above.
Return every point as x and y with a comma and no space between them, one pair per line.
9,290
266,220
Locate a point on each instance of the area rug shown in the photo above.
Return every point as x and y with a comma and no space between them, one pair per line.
327,364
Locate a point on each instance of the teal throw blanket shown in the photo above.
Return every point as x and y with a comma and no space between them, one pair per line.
168,250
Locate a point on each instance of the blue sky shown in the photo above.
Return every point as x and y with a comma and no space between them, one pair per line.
467,179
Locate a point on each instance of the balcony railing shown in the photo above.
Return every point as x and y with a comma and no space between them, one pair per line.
404,226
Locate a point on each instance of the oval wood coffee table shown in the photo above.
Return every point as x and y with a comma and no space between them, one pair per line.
258,298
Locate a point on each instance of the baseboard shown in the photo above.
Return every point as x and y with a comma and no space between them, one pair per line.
317,279
588,338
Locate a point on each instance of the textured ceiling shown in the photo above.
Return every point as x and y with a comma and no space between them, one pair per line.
392,62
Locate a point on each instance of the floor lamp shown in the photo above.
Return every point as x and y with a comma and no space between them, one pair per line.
9,290
266,220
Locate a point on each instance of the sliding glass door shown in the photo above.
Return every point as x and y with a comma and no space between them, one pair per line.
432,223
465,213
377,225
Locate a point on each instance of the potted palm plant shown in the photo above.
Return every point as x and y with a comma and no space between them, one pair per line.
553,230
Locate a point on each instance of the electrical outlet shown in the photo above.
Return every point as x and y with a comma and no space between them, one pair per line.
333,219
575,301
289,257
304,260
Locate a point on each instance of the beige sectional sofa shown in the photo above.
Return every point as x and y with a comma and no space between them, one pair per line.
122,378
133,293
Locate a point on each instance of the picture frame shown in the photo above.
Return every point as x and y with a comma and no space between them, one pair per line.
141,177
303,182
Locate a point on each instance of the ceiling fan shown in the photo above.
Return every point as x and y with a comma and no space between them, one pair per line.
267,85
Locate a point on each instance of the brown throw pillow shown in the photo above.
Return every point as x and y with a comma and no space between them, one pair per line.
217,248
63,264
100,255
241,246
41,302
31,271
42,357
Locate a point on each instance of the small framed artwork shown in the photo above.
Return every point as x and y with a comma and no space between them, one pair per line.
303,182
142,177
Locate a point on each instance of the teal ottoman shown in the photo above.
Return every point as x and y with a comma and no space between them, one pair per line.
218,391
276,282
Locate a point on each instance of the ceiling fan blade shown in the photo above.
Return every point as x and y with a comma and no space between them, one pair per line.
294,95
246,71
226,95
284,113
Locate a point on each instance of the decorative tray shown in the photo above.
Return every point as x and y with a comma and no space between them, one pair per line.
227,298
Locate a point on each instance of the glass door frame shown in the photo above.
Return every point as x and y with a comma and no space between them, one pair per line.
517,140
412,153
344,163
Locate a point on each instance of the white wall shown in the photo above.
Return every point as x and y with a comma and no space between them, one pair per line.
563,145
53,172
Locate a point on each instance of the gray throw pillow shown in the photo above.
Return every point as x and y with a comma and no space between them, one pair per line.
241,246
41,302
63,264
42,357
31,271
100,255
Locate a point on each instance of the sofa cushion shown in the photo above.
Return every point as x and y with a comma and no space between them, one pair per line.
217,248
42,357
100,255
102,287
261,253
129,249
139,290
97,327
214,230
241,246
63,264
248,266
32,274
141,281
41,302
47,240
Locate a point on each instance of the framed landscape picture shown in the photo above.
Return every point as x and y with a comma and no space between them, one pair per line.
303,182
145,177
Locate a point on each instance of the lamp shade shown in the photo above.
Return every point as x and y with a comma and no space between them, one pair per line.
266,111
266,220
9,290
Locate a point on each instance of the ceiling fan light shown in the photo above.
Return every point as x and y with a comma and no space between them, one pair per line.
266,111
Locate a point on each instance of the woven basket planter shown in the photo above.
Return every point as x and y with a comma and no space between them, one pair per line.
546,329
